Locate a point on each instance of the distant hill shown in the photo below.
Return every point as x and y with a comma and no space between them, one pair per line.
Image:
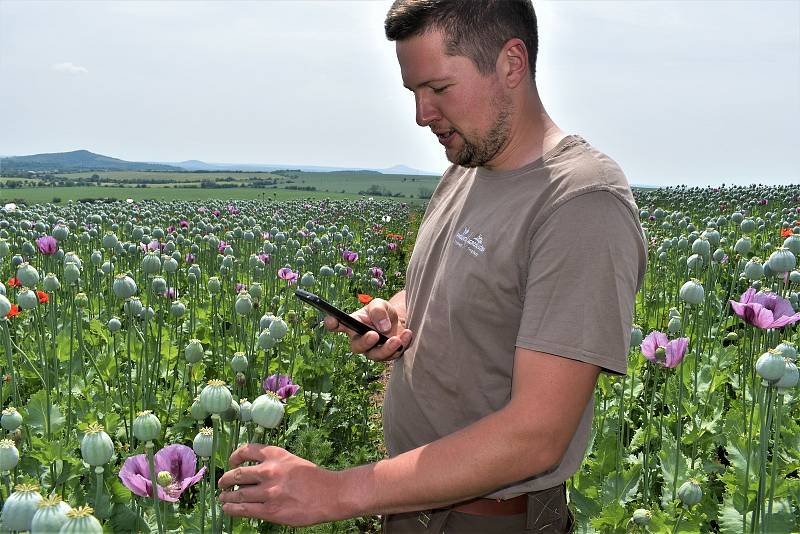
196,165
76,161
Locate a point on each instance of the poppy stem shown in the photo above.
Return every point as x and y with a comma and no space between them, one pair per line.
149,448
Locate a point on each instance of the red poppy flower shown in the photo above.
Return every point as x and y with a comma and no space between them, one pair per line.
43,298
13,282
786,232
364,299
14,311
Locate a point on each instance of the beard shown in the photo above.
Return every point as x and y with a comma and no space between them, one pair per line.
477,152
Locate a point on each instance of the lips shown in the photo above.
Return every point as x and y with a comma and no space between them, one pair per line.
445,136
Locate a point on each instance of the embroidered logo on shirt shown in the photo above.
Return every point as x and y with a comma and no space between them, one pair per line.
474,244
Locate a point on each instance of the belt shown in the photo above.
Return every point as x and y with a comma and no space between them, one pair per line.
493,507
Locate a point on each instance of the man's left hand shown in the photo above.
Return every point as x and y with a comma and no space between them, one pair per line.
280,488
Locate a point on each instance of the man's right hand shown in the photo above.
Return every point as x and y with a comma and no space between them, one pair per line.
382,316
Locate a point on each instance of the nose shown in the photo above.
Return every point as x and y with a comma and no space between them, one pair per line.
426,112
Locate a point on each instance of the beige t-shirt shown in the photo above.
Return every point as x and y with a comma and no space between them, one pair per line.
547,257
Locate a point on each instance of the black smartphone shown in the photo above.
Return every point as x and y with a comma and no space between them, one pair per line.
344,318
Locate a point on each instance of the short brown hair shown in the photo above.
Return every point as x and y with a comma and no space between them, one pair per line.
477,29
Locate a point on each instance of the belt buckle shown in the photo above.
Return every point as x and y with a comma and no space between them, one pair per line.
424,518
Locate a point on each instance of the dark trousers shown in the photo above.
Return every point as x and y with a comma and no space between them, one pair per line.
547,513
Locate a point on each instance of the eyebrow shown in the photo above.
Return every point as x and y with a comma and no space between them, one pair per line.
428,82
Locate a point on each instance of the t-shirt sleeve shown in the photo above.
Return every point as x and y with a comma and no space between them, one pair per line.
585,264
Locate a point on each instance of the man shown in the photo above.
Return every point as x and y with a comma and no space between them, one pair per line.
520,291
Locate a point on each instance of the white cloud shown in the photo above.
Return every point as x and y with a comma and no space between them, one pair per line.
70,68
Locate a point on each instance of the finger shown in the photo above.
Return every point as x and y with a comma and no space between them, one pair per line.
363,343
331,323
240,476
382,316
252,452
247,509
253,493
392,349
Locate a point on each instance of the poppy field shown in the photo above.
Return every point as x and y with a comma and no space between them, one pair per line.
142,342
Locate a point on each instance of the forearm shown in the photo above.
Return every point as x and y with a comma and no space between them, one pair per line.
493,452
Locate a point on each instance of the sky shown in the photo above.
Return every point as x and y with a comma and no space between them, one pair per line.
677,92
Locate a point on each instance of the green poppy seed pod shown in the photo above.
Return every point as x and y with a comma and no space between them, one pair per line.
754,270
71,257
787,350
106,268
133,307
718,255
202,443
307,280
265,321
110,240
789,378
782,261
146,426
2,289
794,277
793,243
81,301
768,272
193,351
10,419
191,278
239,362
325,271
9,455
114,325
215,397
267,410
164,478
170,265
5,306
641,516
265,340
51,283
27,275
177,309
702,247
28,249
158,285
20,507
123,287
636,336
253,261
197,411
244,303
690,493
81,521
245,411
737,217
278,329
692,292
674,326
96,258
733,337
50,515
96,446
27,299
232,413
255,290
4,248
695,262
214,285
748,226
743,246
770,366
151,263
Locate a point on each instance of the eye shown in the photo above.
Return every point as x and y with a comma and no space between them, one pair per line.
439,90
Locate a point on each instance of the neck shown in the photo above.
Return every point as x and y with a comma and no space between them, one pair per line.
532,134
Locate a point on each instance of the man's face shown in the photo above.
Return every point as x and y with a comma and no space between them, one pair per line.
467,111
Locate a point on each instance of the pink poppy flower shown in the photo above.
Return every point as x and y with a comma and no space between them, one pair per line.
764,309
657,348
178,460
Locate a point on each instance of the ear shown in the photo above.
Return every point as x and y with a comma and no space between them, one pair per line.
512,63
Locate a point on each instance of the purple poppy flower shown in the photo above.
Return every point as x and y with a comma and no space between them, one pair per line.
239,287
265,258
221,246
349,255
170,228
376,272
391,246
764,309
178,460
171,293
673,351
154,245
190,258
347,272
184,223
287,274
47,245
281,385
216,213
